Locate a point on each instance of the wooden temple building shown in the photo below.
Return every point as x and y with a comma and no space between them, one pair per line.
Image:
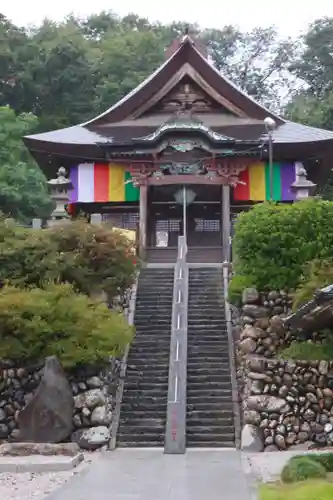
185,134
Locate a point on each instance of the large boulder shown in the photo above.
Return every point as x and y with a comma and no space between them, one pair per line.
252,438
92,438
47,418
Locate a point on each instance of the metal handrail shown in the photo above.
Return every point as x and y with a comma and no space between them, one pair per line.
175,432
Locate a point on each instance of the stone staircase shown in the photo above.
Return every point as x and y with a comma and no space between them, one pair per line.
144,406
209,420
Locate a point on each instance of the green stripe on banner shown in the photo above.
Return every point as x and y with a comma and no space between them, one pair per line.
131,192
277,186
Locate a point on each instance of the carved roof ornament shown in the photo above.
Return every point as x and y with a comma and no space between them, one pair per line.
184,121
186,96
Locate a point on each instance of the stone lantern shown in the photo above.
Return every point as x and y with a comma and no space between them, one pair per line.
302,186
59,188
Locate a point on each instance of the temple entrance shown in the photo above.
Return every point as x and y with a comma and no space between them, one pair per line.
200,220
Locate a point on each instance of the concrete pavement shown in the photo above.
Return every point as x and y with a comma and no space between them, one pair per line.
148,474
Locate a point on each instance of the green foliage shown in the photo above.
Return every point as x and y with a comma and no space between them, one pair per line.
68,72
236,287
23,188
91,258
307,490
317,274
274,242
301,468
325,459
308,351
57,321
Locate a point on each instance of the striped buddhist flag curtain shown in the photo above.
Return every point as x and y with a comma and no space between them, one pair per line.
100,182
256,182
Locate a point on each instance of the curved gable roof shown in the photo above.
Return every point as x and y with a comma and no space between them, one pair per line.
187,54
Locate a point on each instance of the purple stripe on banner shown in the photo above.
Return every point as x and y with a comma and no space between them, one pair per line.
288,176
74,177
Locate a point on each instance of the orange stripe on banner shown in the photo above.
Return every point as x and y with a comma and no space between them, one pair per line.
242,191
101,182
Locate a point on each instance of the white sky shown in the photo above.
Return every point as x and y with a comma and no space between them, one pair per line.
290,16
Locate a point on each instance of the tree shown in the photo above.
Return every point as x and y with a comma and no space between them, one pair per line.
23,188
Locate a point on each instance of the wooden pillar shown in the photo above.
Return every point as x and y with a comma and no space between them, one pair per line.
143,220
226,224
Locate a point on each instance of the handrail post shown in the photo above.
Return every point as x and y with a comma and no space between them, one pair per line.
175,432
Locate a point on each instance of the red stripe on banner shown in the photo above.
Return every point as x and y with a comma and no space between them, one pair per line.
242,191
101,182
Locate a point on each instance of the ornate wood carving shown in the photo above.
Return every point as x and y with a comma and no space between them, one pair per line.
186,96
211,172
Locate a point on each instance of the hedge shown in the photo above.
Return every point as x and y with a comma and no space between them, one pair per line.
91,258
273,242
56,320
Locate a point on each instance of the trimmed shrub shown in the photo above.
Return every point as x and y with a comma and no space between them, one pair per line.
91,258
58,321
301,468
273,242
237,284
325,459
308,490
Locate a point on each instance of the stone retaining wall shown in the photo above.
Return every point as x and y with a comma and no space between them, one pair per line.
285,404
288,403
93,394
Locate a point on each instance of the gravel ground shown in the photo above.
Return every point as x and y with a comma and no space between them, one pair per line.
31,486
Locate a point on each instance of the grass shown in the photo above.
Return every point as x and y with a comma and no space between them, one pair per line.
308,351
307,490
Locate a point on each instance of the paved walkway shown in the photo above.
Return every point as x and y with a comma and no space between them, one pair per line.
150,475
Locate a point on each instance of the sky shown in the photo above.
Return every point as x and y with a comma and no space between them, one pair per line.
291,17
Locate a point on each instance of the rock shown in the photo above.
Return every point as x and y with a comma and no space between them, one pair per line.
321,439
247,346
309,415
86,412
257,365
273,295
283,391
89,399
252,333
257,387
100,416
269,404
255,311
257,376
2,415
323,367
94,382
311,397
252,417
280,442
252,439
327,392
277,325
4,431
49,414
250,296
303,436
262,323
91,439
291,438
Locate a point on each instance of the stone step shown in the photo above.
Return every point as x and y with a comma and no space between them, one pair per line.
157,435
147,430
206,362
192,430
217,436
207,416
209,444
147,387
205,374
221,394
142,444
142,414
206,385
